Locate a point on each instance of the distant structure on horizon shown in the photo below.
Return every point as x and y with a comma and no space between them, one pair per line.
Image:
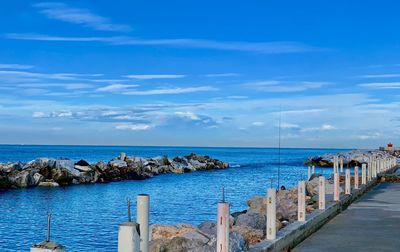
389,147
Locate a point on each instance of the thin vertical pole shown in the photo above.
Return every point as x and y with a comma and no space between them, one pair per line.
48,226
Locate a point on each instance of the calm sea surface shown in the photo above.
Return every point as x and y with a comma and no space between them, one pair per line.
86,217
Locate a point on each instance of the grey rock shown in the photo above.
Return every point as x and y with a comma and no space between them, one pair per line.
10,167
67,165
118,164
208,227
253,220
48,184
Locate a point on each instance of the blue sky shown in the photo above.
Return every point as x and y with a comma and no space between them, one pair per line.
204,73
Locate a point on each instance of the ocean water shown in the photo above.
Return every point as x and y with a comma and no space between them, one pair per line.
86,217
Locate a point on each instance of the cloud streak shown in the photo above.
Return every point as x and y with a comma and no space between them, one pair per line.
62,12
154,76
278,47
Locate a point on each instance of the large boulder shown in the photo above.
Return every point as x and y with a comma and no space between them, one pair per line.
208,227
10,167
257,204
251,219
48,184
41,163
23,179
286,205
250,235
118,164
67,165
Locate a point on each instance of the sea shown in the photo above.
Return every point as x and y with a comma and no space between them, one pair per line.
86,217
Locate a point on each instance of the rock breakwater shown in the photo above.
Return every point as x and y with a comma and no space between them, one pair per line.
49,172
350,159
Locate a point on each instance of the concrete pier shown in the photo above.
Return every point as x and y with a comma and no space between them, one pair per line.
142,218
369,224
301,201
271,214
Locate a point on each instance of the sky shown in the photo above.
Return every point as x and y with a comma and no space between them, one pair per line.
200,73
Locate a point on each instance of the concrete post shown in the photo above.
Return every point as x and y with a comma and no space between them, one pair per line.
223,227
271,214
313,169
129,237
369,171
334,164
301,201
308,172
356,177
341,164
142,217
321,193
347,182
364,174
336,187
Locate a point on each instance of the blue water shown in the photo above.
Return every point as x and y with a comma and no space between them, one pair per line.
86,217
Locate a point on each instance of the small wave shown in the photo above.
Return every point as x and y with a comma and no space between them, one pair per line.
234,165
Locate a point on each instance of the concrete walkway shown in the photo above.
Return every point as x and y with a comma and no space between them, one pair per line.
372,223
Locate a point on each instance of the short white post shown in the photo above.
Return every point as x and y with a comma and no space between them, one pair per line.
336,187
356,177
129,234
129,237
271,214
341,164
301,201
347,182
364,174
142,217
321,193
313,169
223,227
369,171
334,164
308,172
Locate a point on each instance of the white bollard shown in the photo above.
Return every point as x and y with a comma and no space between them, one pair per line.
364,174
313,169
321,193
301,201
223,227
271,214
356,177
129,237
369,171
336,187
308,172
341,164
142,217
347,182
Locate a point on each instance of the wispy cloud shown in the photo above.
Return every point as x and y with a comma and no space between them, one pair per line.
222,75
381,85
154,76
62,12
15,66
134,127
254,47
367,76
283,87
116,87
165,91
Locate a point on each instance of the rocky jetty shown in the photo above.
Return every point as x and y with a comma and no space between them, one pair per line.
48,172
246,228
351,158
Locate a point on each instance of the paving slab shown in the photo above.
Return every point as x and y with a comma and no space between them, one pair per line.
372,223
